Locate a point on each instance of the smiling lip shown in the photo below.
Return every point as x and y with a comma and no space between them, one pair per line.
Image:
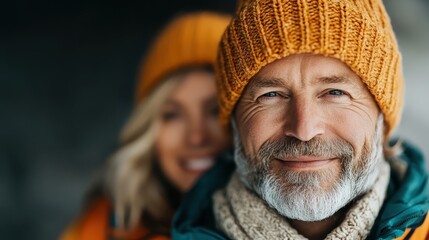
303,162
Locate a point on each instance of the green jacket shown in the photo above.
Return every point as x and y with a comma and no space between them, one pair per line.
402,215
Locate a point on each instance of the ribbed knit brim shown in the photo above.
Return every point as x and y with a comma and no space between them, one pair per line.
358,32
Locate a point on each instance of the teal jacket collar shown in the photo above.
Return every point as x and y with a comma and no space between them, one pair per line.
406,204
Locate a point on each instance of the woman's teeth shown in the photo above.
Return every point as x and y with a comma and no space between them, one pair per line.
199,164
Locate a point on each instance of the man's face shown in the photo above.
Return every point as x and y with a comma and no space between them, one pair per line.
308,136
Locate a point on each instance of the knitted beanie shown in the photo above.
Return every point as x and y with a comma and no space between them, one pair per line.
358,32
188,40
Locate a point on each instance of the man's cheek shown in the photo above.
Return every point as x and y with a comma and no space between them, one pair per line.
256,133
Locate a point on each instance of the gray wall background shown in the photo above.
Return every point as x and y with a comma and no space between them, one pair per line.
67,73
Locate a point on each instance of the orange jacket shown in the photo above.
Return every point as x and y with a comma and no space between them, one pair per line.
420,233
93,224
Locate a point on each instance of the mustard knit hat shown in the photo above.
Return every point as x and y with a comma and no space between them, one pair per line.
358,32
188,40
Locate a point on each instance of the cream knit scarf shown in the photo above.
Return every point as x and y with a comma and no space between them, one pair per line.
241,214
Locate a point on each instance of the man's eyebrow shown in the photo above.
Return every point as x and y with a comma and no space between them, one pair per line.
257,83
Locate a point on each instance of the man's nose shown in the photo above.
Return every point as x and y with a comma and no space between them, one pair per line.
303,120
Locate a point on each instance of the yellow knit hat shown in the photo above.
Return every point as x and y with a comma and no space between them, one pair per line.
358,32
188,40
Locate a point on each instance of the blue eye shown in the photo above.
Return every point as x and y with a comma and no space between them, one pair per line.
336,92
271,94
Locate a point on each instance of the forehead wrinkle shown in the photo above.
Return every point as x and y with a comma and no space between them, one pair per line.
338,79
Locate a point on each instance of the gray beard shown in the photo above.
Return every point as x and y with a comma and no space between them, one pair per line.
300,195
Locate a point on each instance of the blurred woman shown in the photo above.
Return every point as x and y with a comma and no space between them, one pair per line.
170,140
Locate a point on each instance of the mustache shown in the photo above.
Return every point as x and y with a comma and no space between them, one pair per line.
289,147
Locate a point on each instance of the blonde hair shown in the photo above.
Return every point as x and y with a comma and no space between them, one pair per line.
130,178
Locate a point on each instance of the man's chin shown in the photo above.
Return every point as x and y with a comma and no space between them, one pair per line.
305,202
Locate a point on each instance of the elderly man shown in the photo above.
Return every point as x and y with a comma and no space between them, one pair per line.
312,91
